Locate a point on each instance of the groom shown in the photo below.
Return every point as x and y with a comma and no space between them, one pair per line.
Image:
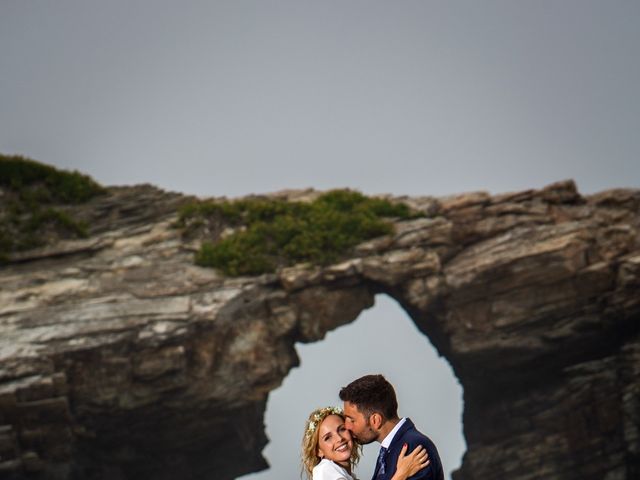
371,413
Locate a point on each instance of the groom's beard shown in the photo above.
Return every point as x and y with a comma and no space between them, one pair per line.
367,435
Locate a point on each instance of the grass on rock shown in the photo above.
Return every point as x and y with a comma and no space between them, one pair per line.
259,235
33,200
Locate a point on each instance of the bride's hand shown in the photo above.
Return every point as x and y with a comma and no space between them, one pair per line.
411,464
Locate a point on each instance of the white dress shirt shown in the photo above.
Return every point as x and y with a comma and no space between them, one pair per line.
389,438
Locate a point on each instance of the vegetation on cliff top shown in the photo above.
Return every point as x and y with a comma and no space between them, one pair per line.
33,196
258,235
244,237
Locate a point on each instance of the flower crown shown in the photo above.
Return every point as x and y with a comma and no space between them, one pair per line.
320,415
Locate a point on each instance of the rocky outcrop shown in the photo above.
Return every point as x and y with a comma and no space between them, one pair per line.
120,359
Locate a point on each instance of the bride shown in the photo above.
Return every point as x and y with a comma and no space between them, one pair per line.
329,452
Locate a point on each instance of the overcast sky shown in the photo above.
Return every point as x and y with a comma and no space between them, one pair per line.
406,97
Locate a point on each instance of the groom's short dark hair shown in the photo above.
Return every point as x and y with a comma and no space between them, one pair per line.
372,393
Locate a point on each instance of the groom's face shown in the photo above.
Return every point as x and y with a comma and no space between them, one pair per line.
358,424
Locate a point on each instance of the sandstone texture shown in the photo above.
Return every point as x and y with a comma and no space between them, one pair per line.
121,359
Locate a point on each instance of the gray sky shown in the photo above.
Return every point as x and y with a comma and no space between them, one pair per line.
411,97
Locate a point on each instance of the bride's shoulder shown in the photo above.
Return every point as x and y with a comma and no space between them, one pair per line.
328,470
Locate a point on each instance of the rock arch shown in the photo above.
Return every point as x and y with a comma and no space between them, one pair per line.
120,359
383,339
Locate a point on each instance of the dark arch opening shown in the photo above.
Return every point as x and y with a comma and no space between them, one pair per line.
384,340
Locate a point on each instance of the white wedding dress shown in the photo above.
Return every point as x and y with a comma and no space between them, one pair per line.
328,470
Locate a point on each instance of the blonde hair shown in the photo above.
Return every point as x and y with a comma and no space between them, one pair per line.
310,440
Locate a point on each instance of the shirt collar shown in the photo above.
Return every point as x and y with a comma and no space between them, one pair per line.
389,438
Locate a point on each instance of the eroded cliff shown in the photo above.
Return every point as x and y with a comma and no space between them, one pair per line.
119,358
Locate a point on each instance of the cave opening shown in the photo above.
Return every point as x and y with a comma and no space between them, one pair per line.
383,339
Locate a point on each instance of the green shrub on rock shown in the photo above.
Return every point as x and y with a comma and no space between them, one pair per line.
33,197
40,183
270,233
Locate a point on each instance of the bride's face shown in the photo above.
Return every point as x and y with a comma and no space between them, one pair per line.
334,440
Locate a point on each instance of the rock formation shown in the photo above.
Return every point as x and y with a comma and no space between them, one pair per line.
121,359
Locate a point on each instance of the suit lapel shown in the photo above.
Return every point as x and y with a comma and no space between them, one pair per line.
406,426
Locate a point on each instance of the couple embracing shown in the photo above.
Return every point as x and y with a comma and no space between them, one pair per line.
333,436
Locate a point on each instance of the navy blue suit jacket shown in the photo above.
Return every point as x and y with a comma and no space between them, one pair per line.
411,436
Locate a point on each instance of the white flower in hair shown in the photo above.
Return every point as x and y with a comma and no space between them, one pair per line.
319,416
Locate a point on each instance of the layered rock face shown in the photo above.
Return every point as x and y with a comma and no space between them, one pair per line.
121,359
